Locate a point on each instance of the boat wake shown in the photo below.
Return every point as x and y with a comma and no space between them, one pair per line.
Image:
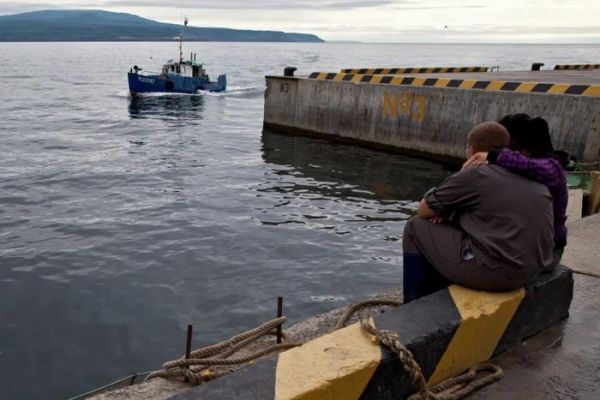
232,91
247,92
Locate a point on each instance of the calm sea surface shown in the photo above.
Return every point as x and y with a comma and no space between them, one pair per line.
121,221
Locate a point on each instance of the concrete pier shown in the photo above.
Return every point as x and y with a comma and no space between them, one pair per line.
448,332
429,114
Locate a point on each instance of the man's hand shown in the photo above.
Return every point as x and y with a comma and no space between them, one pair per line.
424,211
476,159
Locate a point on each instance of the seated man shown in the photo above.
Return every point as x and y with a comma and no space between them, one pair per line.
500,231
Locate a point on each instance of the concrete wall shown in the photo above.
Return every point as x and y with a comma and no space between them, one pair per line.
427,120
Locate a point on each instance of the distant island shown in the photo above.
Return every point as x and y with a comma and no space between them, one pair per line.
96,26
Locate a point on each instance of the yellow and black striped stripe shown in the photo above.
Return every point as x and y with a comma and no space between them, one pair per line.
413,70
576,66
500,86
447,332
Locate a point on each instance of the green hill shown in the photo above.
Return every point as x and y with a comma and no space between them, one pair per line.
94,25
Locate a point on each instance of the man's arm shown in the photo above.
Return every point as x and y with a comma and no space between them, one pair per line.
459,192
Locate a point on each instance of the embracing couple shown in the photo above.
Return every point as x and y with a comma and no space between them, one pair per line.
499,222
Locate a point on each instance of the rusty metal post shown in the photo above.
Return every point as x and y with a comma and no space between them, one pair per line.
279,315
188,346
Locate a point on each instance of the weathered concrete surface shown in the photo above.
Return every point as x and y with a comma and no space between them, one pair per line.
575,205
562,362
427,121
583,249
448,332
152,390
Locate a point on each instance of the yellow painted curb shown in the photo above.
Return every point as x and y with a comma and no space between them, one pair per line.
336,366
485,317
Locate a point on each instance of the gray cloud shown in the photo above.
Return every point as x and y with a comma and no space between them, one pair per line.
8,7
552,30
14,7
369,20
461,30
439,7
259,5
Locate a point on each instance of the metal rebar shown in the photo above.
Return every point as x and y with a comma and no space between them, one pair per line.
188,345
279,315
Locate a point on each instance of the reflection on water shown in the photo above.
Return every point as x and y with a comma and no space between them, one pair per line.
349,171
183,109
344,189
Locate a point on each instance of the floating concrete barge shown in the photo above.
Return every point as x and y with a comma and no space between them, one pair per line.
429,114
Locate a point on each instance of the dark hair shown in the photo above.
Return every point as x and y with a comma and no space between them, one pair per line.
529,134
488,136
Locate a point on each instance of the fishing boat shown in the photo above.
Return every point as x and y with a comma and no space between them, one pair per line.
175,77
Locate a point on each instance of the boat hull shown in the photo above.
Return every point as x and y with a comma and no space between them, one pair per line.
139,83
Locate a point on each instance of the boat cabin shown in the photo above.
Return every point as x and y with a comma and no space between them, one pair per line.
188,69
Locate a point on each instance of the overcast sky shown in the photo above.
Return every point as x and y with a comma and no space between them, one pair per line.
551,21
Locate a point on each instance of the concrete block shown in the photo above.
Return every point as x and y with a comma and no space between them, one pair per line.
448,332
582,253
421,120
575,205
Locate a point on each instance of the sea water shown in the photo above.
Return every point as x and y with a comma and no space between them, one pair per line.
123,220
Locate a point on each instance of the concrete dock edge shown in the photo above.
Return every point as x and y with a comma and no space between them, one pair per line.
448,332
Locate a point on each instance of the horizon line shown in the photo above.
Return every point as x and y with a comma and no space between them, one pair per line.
315,43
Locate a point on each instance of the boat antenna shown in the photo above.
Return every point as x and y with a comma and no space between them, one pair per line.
185,22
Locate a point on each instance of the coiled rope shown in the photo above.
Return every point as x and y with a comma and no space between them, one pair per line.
196,369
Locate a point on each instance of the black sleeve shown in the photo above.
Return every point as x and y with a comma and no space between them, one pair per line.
493,156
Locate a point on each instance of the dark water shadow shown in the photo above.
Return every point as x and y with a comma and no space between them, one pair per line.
168,108
367,173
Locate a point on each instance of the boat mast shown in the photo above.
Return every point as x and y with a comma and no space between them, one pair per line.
185,22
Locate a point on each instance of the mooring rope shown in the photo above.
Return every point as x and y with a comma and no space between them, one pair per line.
195,367
359,306
455,388
392,340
